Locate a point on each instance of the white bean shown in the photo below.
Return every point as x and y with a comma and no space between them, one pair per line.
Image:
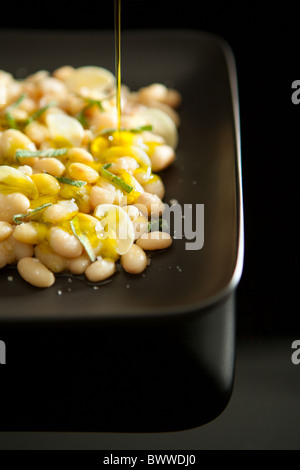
155,187
100,270
79,155
124,163
64,243
37,132
63,210
49,258
80,171
132,211
155,91
26,169
152,202
35,272
30,232
140,226
7,252
154,241
12,140
162,157
22,250
135,260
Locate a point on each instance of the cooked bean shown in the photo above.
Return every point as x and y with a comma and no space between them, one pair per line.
11,204
140,226
162,157
155,91
173,98
30,232
124,163
37,132
79,265
80,171
35,272
64,243
62,73
49,258
142,176
154,241
101,196
7,252
46,184
100,270
79,155
22,250
50,165
26,169
19,114
12,140
103,120
135,260
6,230
63,210
155,187
132,211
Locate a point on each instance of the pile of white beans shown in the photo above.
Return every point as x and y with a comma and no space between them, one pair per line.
75,110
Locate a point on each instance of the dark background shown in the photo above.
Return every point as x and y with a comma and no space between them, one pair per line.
264,411
265,43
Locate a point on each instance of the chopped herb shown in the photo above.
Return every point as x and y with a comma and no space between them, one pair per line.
19,218
11,120
115,179
65,180
90,102
9,117
39,112
141,128
40,153
75,226
160,225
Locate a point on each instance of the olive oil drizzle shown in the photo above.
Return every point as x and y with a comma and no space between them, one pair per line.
118,60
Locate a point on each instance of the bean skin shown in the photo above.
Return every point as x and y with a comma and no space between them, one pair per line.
35,272
135,260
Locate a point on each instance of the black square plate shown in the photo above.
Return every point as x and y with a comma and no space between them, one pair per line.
179,317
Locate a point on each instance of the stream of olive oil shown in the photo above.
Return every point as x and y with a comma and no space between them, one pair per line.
117,13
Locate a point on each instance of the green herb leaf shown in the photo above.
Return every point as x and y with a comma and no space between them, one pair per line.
39,112
19,218
75,226
115,179
40,153
65,180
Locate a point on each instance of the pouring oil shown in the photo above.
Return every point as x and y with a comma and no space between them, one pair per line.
117,14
